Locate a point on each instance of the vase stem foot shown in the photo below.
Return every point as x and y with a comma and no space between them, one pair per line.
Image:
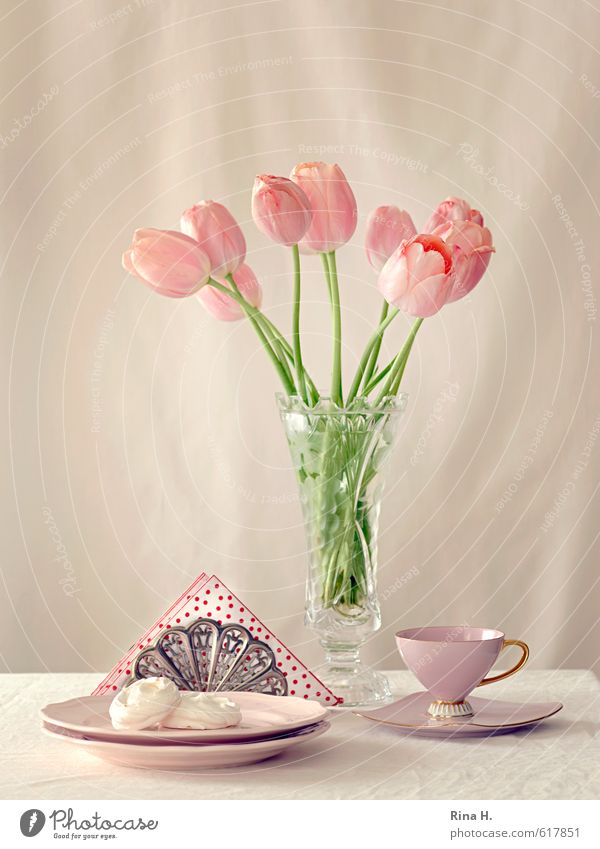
346,676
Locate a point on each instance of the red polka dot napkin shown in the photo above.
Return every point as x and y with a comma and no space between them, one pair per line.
209,598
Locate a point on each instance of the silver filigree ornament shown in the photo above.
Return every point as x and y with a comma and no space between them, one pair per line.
208,657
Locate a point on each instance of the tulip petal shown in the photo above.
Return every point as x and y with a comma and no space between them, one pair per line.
429,297
217,232
224,308
387,227
127,262
281,209
332,203
169,262
418,277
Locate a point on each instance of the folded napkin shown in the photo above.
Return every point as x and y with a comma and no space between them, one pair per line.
209,598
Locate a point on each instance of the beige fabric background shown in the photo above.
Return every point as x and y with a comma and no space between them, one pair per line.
141,443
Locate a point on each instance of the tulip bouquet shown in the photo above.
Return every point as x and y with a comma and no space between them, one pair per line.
340,439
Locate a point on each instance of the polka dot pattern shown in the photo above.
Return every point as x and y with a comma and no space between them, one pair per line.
215,596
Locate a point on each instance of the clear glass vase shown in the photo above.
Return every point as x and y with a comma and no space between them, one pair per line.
339,456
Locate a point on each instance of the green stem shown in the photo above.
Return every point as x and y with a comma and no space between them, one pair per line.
273,341
402,366
377,336
296,326
287,350
276,345
400,372
372,363
392,384
336,314
327,274
251,312
378,378
275,336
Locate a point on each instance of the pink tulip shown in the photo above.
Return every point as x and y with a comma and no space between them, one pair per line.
418,277
452,209
280,209
332,202
472,248
221,306
218,233
169,262
387,226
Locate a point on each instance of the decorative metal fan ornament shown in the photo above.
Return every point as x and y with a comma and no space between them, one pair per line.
209,657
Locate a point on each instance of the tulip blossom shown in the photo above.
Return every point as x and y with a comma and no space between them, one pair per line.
472,248
218,234
224,308
387,226
314,212
280,208
418,277
452,209
332,202
169,262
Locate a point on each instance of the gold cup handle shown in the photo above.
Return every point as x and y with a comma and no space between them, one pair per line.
521,662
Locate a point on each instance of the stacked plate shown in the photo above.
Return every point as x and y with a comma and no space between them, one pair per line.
269,726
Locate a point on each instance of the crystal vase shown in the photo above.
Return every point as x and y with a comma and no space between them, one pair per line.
339,455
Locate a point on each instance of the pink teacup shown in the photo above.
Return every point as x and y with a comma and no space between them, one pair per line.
452,660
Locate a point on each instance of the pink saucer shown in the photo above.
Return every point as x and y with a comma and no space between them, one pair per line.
490,716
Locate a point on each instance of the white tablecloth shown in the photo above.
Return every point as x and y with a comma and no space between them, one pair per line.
355,759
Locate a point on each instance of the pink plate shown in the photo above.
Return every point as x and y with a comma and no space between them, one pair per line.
185,757
262,717
490,717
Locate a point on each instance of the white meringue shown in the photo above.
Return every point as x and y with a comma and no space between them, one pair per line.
143,704
204,711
